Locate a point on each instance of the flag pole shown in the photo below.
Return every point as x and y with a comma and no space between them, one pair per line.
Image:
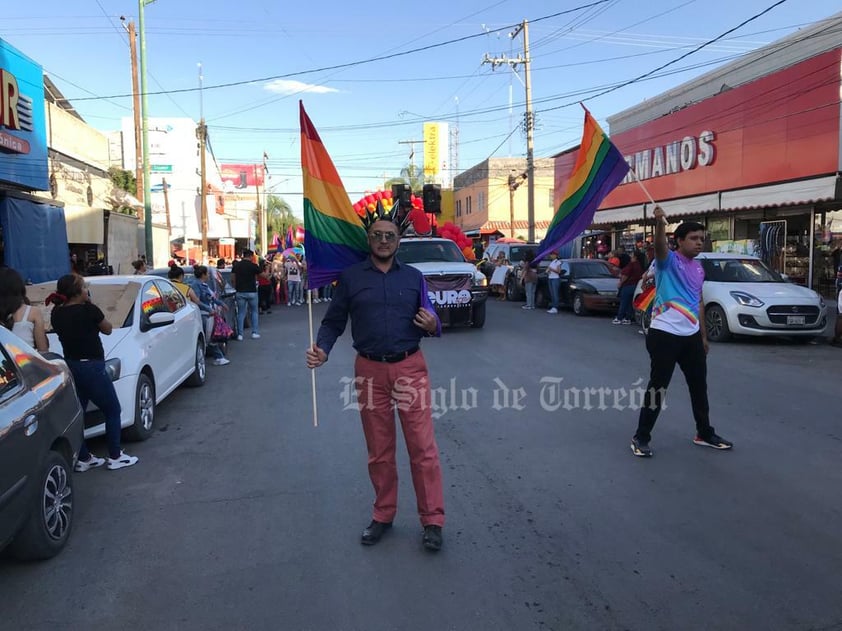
645,190
312,372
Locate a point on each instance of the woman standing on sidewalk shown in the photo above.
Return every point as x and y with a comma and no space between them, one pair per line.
78,323
16,314
530,279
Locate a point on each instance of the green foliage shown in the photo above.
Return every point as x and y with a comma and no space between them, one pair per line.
279,216
123,179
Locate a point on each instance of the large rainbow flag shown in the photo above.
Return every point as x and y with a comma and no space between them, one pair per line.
334,237
599,168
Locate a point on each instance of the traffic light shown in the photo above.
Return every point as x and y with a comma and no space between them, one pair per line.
431,197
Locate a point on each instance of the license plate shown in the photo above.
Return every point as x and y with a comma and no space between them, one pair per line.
795,319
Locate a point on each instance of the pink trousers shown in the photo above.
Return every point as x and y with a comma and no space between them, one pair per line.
403,385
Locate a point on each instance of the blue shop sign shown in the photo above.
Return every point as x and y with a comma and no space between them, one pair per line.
23,130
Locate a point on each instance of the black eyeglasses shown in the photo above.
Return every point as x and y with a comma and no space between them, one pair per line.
376,235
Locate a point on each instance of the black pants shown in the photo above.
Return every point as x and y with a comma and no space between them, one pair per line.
665,351
264,297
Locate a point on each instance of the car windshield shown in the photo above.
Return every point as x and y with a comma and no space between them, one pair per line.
591,269
517,252
411,251
739,271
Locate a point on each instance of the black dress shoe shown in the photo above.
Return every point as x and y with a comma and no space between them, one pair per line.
432,538
373,532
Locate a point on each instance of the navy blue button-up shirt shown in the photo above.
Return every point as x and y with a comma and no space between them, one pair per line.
382,307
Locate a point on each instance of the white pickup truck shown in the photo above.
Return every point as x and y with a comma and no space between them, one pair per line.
457,290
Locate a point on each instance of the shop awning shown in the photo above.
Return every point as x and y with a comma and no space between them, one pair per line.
618,215
790,194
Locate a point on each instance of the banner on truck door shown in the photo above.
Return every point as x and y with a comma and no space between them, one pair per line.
450,291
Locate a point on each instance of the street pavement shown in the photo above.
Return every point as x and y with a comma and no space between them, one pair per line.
243,515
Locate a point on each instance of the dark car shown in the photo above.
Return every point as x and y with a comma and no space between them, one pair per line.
586,285
41,425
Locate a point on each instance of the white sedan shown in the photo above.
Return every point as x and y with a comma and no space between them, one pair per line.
158,342
744,297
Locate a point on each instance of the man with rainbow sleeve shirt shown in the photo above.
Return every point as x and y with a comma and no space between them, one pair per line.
675,335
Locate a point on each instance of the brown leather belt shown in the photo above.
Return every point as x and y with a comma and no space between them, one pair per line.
391,358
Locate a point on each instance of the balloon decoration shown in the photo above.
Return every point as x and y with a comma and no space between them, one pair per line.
417,217
454,233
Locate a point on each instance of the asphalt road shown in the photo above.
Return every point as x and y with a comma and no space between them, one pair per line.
243,515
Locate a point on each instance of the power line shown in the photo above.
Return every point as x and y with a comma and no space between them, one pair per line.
359,62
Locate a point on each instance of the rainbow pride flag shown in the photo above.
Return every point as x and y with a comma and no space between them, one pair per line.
334,236
599,168
643,300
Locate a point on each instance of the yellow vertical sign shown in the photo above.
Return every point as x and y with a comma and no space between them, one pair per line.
431,149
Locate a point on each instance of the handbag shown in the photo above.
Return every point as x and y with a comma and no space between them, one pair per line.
222,332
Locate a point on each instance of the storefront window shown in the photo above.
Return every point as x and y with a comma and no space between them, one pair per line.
827,251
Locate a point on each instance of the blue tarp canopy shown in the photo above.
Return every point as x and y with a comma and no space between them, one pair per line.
35,239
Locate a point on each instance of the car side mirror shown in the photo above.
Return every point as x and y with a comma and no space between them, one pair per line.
158,319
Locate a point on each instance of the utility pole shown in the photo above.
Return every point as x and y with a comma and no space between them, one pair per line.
138,144
202,135
147,193
529,119
411,144
514,182
261,224
167,209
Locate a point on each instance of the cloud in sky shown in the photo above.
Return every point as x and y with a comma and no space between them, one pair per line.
283,86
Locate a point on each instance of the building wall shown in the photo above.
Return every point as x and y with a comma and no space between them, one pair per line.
482,193
122,242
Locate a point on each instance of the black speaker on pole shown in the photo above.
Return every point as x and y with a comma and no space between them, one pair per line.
402,195
431,196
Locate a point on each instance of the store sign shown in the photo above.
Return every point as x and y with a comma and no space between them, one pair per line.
23,138
161,168
674,157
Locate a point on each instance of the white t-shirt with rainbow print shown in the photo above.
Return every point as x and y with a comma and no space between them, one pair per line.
678,292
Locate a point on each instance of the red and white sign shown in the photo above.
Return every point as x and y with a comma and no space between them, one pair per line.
781,127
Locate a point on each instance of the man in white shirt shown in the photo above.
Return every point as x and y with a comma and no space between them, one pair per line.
554,281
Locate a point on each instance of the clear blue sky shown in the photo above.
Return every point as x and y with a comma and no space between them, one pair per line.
364,110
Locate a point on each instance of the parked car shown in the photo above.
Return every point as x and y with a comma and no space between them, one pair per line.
157,344
743,296
457,290
514,253
225,289
586,285
40,435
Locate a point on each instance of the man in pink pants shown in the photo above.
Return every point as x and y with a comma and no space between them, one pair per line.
390,312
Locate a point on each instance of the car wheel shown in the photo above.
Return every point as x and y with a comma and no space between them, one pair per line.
717,324
478,316
512,293
144,410
199,368
579,307
48,527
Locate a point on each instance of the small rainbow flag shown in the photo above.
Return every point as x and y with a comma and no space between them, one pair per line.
644,299
599,168
334,236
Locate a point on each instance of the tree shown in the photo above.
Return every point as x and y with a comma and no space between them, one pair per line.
411,175
123,179
279,216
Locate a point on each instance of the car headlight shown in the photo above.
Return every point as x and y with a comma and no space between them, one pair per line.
480,280
112,369
746,300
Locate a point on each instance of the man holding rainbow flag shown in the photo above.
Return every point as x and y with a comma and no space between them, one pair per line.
390,312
